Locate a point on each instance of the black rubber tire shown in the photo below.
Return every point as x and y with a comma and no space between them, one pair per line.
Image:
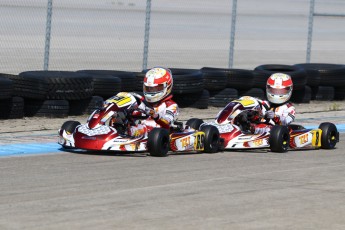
214,79
211,141
140,81
330,74
58,85
313,75
199,100
223,97
339,93
301,95
104,85
6,87
46,108
194,123
279,139
187,81
240,79
323,93
85,106
69,126
158,142
329,136
128,79
254,92
12,108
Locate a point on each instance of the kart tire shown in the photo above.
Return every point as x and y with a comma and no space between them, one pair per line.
211,141
329,136
158,142
194,123
279,139
69,126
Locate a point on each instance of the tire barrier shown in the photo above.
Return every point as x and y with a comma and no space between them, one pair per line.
85,106
105,85
46,108
199,100
187,81
254,92
63,93
298,75
6,87
56,85
223,97
128,79
12,108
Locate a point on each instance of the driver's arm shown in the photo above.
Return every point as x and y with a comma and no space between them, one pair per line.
167,117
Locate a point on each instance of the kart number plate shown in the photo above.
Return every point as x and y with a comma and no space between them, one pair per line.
316,141
199,141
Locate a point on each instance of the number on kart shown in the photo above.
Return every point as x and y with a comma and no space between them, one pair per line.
120,100
303,139
185,142
316,138
199,141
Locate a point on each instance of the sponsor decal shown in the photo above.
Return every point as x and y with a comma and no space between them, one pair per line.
89,138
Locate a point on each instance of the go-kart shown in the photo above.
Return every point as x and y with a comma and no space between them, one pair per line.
233,123
106,127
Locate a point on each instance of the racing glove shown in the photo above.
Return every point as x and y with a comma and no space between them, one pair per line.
151,112
269,114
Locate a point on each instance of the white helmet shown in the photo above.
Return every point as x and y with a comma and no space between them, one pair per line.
158,83
279,88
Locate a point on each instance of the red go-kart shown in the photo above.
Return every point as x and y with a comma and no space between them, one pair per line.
106,127
233,123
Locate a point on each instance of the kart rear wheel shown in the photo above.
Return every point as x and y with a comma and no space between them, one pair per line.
329,136
279,139
194,123
211,141
69,126
158,142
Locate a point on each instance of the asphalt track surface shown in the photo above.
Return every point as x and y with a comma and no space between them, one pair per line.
228,190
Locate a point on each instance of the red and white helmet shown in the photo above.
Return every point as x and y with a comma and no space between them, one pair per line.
279,88
158,83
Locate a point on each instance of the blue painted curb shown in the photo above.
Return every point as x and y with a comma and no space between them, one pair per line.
27,149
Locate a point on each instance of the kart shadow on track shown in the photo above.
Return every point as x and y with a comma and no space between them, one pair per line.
104,153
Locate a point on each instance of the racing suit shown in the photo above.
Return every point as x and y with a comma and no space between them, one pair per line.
162,114
276,115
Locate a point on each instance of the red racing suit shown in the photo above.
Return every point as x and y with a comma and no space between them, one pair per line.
283,115
165,113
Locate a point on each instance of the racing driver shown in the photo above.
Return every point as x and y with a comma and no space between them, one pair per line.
279,111
157,102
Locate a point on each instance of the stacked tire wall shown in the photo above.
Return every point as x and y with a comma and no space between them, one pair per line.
67,93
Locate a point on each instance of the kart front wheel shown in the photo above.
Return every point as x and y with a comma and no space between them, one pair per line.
158,142
329,136
69,126
194,123
211,141
279,139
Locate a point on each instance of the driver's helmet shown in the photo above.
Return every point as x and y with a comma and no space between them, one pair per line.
158,83
279,88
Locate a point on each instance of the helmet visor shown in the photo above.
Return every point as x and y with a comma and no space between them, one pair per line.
275,91
153,89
